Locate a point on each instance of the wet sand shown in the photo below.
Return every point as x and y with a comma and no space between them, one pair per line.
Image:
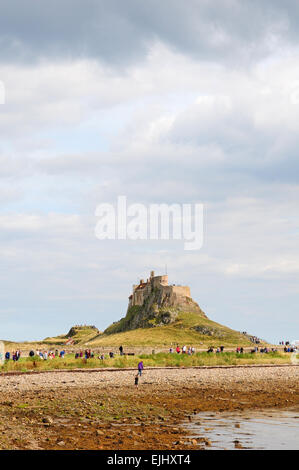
104,410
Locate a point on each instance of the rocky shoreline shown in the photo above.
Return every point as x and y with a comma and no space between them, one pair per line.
104,410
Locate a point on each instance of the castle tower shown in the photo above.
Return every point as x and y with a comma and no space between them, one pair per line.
143,290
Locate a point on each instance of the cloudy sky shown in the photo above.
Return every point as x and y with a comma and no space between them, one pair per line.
163,102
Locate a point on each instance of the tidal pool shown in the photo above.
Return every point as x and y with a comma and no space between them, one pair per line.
266,429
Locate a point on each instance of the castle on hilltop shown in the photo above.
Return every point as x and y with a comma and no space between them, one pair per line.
174,294
156,303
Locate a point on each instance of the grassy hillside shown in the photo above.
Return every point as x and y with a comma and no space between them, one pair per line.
189,327
77,334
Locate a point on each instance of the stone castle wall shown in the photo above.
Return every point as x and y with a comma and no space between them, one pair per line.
141,291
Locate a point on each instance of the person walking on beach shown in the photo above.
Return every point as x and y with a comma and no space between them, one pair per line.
140,368
121,350
136,380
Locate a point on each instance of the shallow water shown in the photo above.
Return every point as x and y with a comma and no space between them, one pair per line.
268,429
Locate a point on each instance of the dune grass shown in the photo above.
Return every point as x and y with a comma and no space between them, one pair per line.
150,360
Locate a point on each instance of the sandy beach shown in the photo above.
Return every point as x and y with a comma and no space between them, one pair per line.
104,410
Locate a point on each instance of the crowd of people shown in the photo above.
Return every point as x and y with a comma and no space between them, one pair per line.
189,350
51,354
15,356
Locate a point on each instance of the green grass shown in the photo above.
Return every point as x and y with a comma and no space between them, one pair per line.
150,360
182,331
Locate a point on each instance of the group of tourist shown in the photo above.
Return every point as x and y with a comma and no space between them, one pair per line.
45,355
253,339
184,350
88,354
15,355
290,349
220,349
266,350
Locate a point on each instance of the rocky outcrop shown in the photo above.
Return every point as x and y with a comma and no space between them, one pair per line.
81,328
208,331
158,309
